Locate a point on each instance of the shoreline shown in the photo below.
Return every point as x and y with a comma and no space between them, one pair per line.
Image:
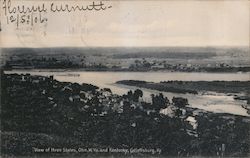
103,81
239,90
192,86
148,71
118,70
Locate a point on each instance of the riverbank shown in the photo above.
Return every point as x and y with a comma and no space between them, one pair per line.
41,112
154,76
192,86
213,102
201,70
240,89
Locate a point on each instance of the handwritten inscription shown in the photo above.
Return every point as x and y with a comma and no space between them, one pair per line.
36,14
66,8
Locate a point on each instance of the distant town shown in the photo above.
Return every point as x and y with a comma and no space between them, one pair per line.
125,59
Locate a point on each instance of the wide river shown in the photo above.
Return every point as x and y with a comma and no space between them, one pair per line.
215,102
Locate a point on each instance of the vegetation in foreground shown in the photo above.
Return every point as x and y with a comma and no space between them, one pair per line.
40,112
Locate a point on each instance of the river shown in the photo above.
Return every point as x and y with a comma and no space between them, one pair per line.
214,102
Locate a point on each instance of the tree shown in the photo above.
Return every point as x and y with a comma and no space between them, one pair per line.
107,89
159,102
137,93
130,95
180,102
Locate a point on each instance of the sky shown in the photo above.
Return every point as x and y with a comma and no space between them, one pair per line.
135,23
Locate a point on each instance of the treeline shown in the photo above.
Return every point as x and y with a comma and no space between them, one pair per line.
165,54
193,86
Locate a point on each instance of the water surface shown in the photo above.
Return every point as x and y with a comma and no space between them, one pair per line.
216,102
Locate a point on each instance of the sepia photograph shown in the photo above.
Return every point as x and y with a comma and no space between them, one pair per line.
113,78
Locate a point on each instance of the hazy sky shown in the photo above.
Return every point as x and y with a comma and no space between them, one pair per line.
137,23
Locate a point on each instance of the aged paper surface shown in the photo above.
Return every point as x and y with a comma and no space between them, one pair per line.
125,78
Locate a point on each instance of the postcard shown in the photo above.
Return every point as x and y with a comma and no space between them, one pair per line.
113,78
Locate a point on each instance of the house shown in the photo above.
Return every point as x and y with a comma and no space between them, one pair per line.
74,98
23,79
